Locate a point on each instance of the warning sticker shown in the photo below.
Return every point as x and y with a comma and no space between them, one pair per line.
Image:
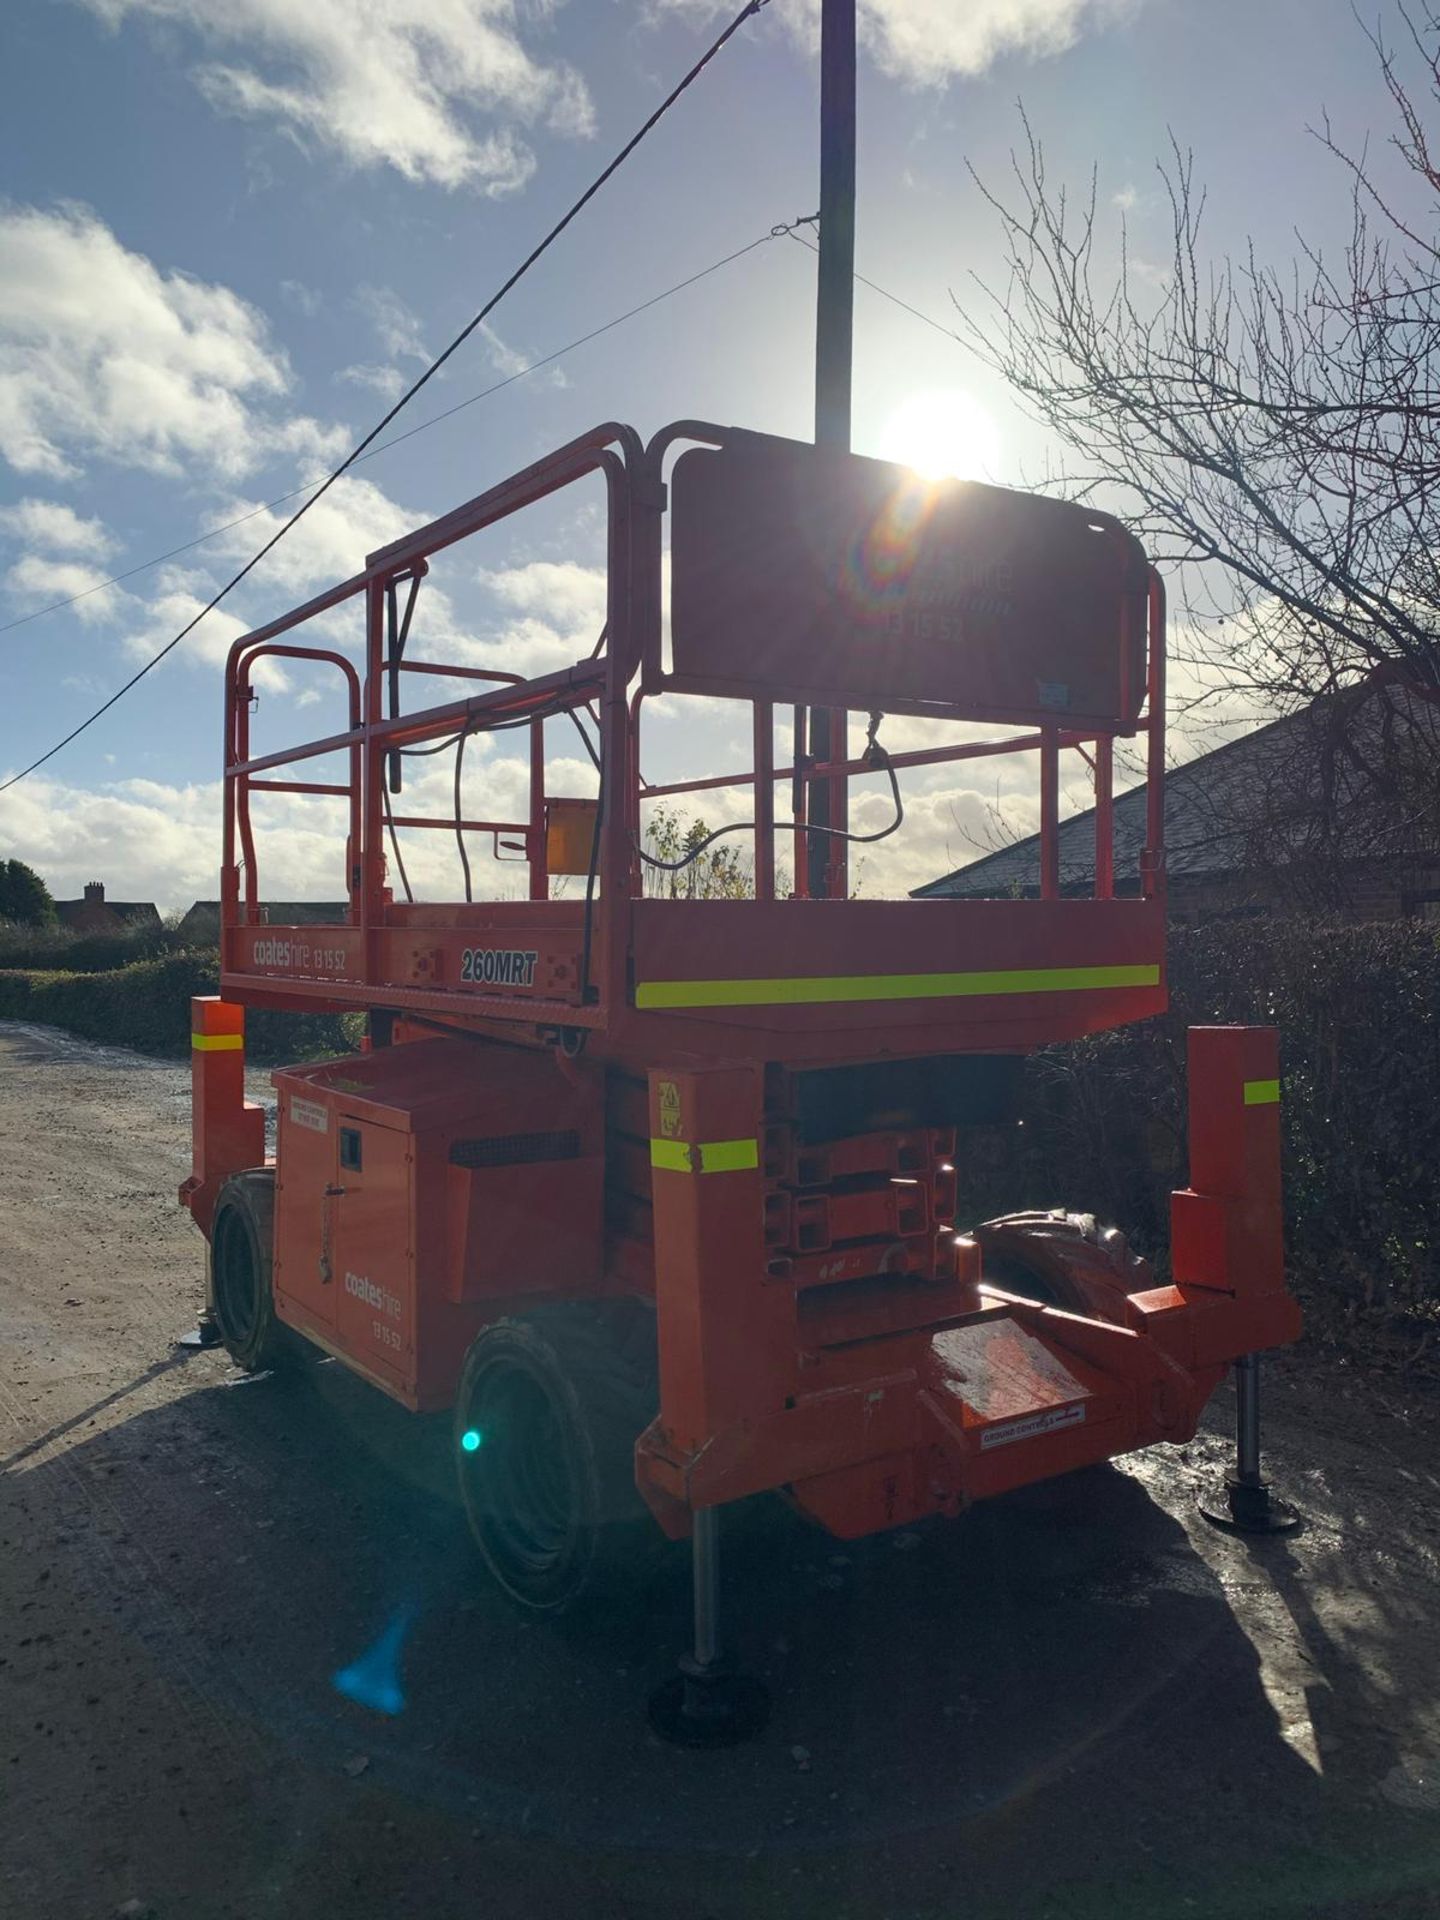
669,1109
309,1113
1032,1425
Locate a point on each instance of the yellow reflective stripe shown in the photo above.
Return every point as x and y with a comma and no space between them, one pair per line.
716,1156
888,986
729,1156
217,1042
1262,1093
672,1155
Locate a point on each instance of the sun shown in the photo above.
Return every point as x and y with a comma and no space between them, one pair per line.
943,434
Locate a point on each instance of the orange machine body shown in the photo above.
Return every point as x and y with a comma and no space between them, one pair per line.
753,1112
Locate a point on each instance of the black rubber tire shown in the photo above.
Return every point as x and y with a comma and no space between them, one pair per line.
1013,1267
559,1396
1015,1277
241,1290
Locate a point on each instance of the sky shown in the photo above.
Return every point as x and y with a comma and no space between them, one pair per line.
231,231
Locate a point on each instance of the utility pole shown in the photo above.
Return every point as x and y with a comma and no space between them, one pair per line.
828,800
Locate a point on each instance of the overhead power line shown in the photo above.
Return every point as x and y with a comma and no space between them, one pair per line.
520,373
746,12
950,333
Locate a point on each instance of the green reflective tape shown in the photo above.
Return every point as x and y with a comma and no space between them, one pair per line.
1262,1093
729,1156
822,989
715,1156
672,1155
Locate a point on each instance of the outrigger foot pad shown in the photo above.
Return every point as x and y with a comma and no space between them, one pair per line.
1246,1506
203,1334
709,1708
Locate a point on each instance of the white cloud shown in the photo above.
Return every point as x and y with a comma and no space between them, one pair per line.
503,357
103,355
553,611
147,626
564,591
49,526
352,520
437,89
152,841
510,361
944,829
39,580
928,43
398,332
304,299
388,382
396,326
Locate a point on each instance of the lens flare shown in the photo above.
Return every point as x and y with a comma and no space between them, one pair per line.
883,556
374,1679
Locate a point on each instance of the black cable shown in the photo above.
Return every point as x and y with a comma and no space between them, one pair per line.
746,12
879,760
423,753
459,816
594,867
395,843
884,292
552,710
458,741
580,729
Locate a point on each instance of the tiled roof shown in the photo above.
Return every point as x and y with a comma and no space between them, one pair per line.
127,910
1253,802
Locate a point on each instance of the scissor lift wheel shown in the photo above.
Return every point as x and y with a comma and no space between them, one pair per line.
550,1406
1065,1260
241,1258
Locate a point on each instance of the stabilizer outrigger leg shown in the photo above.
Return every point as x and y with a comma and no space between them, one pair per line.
203,1334
1243,1502
708,1704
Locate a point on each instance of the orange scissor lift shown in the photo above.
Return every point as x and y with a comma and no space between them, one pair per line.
664,1195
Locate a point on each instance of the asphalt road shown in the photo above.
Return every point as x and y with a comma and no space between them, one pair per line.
1079,1702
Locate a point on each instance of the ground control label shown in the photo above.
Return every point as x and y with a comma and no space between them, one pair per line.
1032,1425
498,966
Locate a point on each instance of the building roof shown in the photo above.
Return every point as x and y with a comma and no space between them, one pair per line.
1256,804
132,913
279,913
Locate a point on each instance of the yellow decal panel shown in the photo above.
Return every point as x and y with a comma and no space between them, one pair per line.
706,1156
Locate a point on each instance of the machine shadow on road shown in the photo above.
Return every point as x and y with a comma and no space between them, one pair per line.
1062,1663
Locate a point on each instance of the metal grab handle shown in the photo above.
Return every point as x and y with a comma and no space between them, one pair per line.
327,1268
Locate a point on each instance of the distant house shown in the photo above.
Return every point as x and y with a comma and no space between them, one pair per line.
1335,807
201,925
93,913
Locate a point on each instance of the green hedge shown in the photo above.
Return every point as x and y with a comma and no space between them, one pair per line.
147,1006
1358,1008
51,949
